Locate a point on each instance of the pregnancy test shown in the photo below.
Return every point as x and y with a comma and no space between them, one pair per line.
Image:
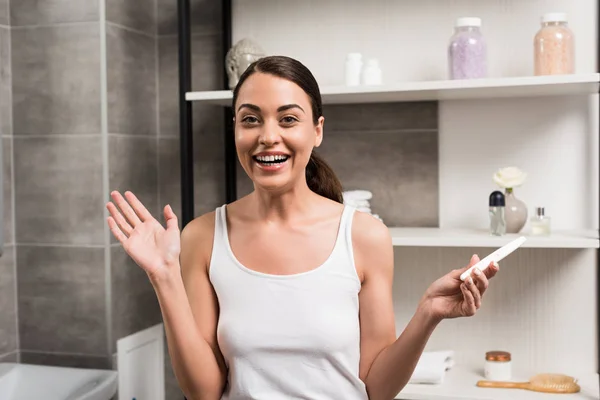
495,256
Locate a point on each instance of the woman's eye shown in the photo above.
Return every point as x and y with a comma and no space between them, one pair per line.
250,119
289,120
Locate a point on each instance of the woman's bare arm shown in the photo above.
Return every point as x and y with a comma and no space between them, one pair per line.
190,312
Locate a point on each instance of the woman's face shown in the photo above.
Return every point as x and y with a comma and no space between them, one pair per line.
274,131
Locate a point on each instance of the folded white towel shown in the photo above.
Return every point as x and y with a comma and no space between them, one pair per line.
357,195
357,203
432,366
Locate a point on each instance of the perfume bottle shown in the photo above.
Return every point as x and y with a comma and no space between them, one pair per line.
540,223
497,220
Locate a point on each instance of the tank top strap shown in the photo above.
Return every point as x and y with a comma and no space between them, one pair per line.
343,252
219,248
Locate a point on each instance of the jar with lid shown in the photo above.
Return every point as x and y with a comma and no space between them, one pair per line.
497,366
554,46
467,51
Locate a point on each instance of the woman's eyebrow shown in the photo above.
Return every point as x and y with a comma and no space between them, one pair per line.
288,106
250,106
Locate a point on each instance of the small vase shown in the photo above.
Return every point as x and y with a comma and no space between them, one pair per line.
515,212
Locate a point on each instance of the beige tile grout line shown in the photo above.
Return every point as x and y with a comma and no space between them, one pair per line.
105,179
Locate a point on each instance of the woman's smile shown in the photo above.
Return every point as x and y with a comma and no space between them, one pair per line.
271,161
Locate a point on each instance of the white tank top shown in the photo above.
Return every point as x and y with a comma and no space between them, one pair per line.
289,336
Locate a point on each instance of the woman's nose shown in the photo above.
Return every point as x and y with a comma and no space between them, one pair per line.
269,135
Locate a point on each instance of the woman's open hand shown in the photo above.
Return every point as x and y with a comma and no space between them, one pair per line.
449,297
154,248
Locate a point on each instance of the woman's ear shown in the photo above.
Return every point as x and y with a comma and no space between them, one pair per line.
319,131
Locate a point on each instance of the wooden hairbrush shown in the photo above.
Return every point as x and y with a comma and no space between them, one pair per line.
547,383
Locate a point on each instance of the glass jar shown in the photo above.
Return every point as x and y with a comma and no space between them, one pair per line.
497,366
554,46
467,52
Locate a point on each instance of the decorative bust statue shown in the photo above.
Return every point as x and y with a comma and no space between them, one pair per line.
239,57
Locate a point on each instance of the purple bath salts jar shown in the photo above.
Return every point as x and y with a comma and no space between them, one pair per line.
467,53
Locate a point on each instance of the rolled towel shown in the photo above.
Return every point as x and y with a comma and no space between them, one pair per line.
357,195
432,366
357,203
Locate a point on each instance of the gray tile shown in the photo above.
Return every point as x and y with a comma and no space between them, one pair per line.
7,189
134,303
58,190
61,295
205,16
5,83
133,167
134,14
12,357
4,12
131,64
8,316
207,74
402,175
384,116
45,12
56,79
65,360
209,174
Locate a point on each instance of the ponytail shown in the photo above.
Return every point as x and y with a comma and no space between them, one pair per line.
322,180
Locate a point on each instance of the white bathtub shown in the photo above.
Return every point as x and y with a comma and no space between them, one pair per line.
35,382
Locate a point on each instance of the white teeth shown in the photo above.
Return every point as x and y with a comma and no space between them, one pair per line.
272,158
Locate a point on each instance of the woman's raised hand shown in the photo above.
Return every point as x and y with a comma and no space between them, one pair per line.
154,248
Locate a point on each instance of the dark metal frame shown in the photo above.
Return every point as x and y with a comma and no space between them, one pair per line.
186,128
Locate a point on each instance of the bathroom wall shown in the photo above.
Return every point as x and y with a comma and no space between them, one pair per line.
9,337
132,131
84,102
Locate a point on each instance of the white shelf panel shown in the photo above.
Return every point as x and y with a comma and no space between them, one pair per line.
436,237
527,86
460,384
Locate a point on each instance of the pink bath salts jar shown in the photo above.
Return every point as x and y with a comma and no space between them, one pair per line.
467,51
554,46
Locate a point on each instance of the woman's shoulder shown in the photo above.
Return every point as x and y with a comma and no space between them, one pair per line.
372,245
197,240
369,231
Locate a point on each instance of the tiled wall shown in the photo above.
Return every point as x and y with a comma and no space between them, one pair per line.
58,182
76,137
9,340
132,125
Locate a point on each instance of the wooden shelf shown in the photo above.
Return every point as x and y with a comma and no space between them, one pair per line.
527,86
436,237
460,384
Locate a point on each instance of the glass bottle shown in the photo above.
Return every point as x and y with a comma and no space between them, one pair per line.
540,223
497,220
467,52
554,46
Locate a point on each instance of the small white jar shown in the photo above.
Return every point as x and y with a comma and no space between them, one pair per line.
353,69
371,74
497,366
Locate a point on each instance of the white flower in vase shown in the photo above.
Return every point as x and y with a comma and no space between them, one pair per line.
509,177
515,210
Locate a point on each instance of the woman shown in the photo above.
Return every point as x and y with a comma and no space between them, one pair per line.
284,293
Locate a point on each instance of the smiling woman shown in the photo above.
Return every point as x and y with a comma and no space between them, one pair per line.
295,82
286,292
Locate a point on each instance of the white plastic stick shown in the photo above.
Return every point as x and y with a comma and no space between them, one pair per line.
495,256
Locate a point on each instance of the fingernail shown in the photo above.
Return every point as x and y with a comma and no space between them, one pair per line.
476,271
469,280
496,264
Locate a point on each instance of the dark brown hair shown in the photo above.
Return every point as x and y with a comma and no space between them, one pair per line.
319,176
